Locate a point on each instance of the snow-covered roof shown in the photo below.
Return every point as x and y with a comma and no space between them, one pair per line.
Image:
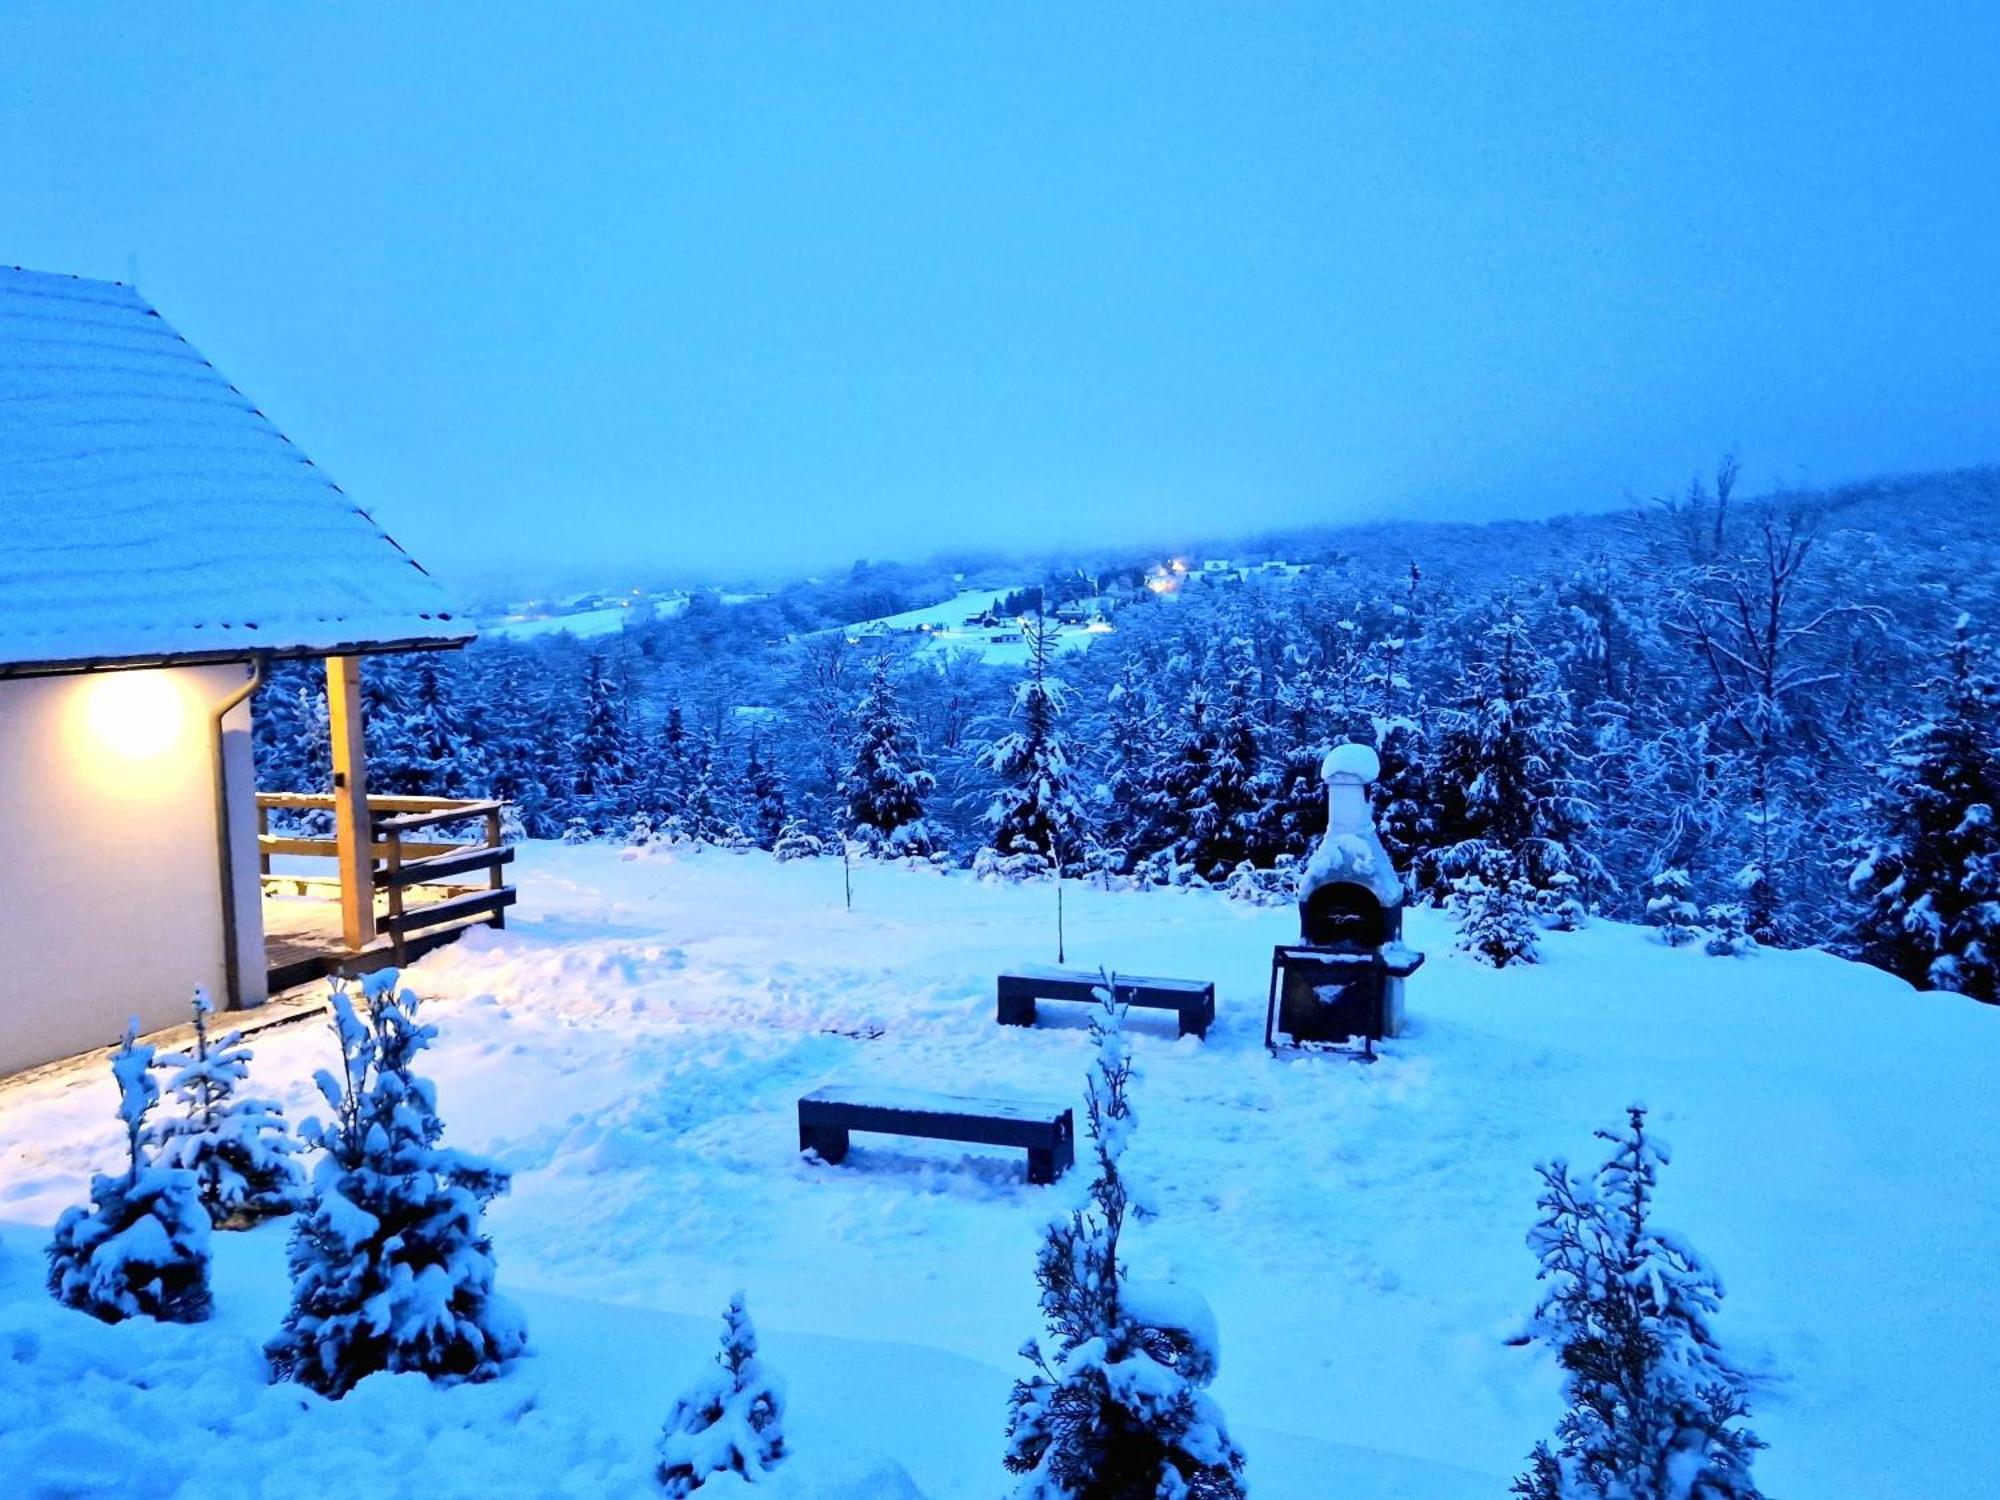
149,512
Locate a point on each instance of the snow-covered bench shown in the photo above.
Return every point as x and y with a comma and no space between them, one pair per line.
1045,1131
1193,1000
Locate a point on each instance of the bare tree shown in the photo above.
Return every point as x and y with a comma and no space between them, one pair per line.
1765,637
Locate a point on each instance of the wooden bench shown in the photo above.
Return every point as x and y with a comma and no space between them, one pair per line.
1045,1131
1193,1000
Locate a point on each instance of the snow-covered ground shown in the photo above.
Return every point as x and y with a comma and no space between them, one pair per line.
633,1046
588,624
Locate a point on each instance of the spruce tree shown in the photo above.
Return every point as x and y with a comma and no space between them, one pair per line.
1128,770
391,1268
1037,811
1669,910
763,798
796,840
1931,874
1655,1410
1495,909
1509,753
141,1248
1186,811
603,762
674,771
1728,931
238,1148
1116,1408
730,1422
886,782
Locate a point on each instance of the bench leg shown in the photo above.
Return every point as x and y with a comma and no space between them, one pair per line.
1195,1019
1016,1010
828,1142
1047,1166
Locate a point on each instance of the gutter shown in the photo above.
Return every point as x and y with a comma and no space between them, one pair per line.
225,857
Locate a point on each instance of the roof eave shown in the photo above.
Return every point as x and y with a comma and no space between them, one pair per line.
73,666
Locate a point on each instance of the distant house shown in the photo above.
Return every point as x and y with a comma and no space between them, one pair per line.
160,543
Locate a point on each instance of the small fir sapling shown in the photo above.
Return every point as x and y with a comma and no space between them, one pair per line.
239,1149
141,1248
1495,911
1559,906
729,1422
391,1269
1669,910
1655,1410
1117,1407
797,841
1729,931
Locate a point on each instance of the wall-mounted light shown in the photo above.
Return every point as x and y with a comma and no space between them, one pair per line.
134,716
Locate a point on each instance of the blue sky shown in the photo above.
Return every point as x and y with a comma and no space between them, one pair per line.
650,288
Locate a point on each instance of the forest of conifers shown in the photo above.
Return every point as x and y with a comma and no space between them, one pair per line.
1771,717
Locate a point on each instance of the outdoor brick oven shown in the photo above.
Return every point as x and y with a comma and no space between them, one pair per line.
1344,977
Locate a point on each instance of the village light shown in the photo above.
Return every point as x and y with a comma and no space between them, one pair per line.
134,716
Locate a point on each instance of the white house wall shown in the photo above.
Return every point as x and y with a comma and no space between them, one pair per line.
109,888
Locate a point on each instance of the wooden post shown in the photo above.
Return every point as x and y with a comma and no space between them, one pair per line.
353,828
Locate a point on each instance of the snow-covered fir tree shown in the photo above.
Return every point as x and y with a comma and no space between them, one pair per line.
141,1249
1125,792
674,769
238,1147
763,798
796,840
1931,873
1222,788
708,813
1655,1409
1728,931
1508,756
391,1267
730,1422
1038,811
1116,1407
886,782
602,758
1670,911
1495,909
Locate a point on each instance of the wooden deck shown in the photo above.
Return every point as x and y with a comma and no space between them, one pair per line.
431,867
302,943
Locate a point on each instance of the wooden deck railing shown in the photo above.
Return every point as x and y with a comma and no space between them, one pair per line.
404,866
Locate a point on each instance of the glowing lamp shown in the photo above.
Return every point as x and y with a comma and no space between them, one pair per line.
134,716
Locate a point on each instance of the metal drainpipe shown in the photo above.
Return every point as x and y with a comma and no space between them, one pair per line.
225,856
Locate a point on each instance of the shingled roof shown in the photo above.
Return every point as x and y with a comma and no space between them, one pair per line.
149,512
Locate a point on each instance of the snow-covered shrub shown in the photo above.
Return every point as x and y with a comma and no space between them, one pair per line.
1117,1407
1729,931
797,841
1495,912
1669,910
1559,905
1655,1411
639,832
1277,886
731,1421
390,1267
239,1149
577,831
141,1248
990,864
